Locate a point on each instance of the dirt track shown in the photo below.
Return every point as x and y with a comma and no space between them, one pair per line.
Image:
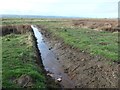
87,71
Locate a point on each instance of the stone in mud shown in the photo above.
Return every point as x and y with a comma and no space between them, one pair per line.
82,59
49,74
59,79
50,48
57,58
83,51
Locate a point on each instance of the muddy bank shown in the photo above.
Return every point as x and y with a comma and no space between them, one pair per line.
86,70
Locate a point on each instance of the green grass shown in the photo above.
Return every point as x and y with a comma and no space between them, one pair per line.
19,58
85,39
91,41
101,43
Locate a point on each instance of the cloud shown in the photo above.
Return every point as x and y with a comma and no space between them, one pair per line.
93,8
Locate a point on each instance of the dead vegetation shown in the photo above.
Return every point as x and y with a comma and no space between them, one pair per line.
98,24
16,29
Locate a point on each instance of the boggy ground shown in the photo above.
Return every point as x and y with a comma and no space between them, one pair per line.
88,71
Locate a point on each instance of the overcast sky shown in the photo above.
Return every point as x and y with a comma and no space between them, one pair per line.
79,8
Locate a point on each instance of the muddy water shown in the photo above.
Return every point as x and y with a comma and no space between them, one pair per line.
50,61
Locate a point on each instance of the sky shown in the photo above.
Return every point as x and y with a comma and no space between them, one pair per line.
76,8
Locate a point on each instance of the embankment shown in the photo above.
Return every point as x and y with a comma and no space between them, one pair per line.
88,71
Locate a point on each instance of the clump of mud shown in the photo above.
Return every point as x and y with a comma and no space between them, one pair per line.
86,70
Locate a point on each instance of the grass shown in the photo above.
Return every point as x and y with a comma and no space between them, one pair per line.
97,43
101,43
19,58
94,42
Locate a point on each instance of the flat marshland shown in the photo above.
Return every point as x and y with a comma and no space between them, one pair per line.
87,48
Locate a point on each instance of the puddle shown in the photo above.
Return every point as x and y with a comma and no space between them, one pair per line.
50,61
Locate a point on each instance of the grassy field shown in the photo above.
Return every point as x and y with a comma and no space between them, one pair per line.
101,43
18,51
95,42
18,59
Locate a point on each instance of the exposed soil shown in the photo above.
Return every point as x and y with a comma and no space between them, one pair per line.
86,70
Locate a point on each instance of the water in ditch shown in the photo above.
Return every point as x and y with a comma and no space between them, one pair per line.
50,61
